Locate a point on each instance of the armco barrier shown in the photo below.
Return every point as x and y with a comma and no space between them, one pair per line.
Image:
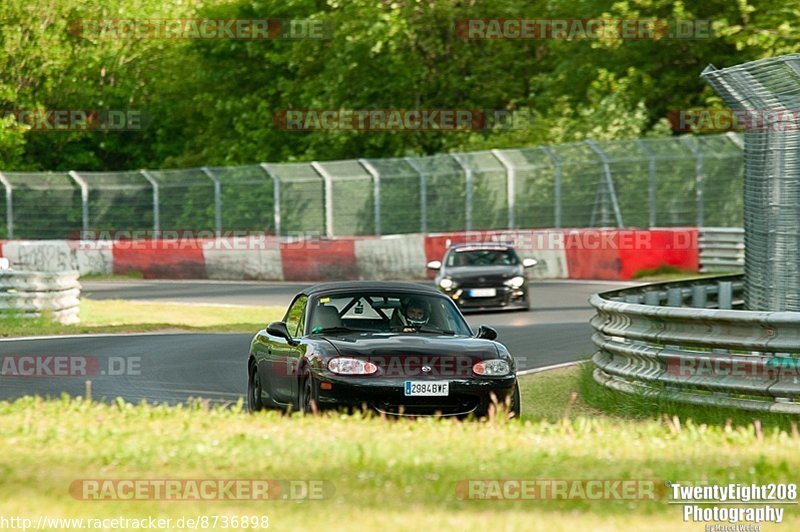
34,293
685,341
721,249
562,254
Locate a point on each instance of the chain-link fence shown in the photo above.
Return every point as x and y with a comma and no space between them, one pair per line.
674,181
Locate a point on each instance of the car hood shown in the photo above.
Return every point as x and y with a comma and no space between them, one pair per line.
492,272
399,344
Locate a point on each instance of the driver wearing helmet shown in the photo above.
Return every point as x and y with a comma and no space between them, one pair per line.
414,314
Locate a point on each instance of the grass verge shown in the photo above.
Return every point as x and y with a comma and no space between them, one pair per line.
114,316
636,407
378,473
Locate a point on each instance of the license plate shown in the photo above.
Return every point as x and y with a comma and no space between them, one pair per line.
483,292
427,388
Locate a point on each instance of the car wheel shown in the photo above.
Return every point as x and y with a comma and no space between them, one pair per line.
516,403
309,396
254,390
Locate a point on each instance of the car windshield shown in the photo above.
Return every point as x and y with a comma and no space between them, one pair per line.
389,312
482,257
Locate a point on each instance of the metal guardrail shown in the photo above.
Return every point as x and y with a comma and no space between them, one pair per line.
687,342
721,249
36,293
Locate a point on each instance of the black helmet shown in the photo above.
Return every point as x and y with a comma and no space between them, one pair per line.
418,319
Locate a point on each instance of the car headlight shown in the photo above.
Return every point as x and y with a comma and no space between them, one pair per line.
515,282
492,368
351,366
446,283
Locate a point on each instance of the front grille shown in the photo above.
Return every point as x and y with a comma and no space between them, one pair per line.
427,406
481,282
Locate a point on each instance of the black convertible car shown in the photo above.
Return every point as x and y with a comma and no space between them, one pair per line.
484,276
396,348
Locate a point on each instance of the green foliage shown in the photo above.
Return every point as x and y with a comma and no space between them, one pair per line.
212,102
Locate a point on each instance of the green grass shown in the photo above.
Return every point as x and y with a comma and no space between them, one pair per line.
384,474
666,272
112,316
637,407
127,276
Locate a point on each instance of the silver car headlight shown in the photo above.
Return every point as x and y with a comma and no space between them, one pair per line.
515,282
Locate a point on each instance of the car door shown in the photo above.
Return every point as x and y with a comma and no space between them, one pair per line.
284,357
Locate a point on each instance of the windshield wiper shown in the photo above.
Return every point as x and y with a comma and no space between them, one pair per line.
433,330
329,330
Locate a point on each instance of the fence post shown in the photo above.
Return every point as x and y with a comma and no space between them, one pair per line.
607,177
376,192
217,200
468,185
276,197
156,202
9,205
557,185
84,198
511,185
423,195
327,180
700,178
651,181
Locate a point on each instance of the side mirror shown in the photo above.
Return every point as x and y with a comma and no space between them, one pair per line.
278,328
529,263
484,331
435,265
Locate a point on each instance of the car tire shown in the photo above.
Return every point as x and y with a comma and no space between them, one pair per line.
516,403
254,389
309,396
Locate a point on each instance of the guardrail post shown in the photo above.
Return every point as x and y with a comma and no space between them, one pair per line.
9,205
327,180
376,192
276,197
608,180
699,296
84,198
217,200
423,195
725,295
652,298
674,297
156,202
651,181
556,186
511,185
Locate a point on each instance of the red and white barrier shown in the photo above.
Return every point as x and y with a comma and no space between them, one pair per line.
613,254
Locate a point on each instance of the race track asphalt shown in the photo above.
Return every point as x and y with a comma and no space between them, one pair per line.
175,367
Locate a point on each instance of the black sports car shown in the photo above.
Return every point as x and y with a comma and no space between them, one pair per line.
396,348
486,276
